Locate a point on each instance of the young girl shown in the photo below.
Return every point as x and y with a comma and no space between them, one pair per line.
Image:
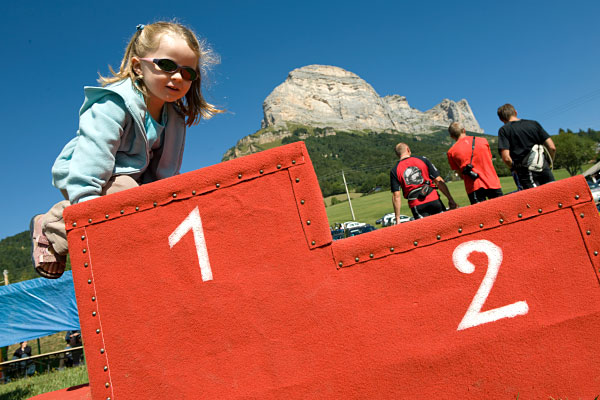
131,130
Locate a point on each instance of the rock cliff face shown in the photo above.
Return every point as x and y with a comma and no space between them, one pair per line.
327,96
322,96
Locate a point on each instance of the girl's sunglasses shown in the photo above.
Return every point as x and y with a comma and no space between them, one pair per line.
170,66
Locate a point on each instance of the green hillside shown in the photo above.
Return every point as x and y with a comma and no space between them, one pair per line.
15,257
366,158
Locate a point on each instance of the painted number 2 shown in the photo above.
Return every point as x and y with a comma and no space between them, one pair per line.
194,223
474,316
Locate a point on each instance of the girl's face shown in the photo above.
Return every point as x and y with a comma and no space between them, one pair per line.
165,86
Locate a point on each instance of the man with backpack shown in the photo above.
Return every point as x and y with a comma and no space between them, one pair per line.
416,179
471,158
526,148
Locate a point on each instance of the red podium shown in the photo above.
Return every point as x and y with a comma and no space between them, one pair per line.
224,283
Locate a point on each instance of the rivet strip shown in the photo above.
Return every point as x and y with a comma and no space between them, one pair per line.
288,163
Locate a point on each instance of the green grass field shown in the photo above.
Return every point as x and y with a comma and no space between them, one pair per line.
372,207
38,384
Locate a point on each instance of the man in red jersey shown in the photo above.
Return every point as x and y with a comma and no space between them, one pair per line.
415,178
471,158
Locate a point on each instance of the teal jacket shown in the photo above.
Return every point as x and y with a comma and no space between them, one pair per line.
111,140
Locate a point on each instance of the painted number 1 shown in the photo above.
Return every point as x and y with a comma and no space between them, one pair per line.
194,223
474,316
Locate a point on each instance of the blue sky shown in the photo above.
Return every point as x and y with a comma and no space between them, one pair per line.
541,56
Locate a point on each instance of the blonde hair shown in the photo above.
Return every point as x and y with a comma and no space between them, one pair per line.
146,39
401,149
455,129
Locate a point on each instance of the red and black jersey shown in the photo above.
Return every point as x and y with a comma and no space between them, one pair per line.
411,173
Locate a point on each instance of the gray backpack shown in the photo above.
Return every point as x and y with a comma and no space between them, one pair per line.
534,161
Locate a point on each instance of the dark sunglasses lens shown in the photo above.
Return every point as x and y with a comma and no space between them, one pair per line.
188,74
166,65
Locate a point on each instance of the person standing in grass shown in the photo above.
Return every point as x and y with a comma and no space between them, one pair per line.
471,158
416,179
521,142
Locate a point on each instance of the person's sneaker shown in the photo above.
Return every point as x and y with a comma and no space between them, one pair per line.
46,262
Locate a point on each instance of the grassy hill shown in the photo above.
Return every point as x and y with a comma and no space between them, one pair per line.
366,157
15,256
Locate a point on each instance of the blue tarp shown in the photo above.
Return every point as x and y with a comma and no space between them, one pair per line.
36,308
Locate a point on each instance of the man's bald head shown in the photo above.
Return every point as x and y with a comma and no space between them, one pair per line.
402,150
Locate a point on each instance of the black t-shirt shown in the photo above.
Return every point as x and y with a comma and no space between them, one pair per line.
519,137
20,352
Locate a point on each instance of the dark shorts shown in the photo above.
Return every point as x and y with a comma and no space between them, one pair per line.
529,179
484,194
426,209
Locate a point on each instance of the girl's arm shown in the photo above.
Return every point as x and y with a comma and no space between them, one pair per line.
99,137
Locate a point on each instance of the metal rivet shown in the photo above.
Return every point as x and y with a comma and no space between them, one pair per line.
297,179
576,197
595,253
501,220
391,249
193,192
174,195
520,215
89,281
108,398
559,205
101,351
137,209
74,224
93,313
90,220
105,368
313,242
261,171
588,232
459,230
481,225
356,259
93,298
106,216
239,176
97,331
415,243
82,237
122,212
85,250
293,161
582,215
438,237
301,201
340,264
371,255
107,384
154,204
540,210
278,166
85,265
218,185
308,222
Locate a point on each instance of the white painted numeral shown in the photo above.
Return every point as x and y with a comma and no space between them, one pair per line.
194,223
474,316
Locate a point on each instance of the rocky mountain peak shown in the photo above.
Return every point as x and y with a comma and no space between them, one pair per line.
328,96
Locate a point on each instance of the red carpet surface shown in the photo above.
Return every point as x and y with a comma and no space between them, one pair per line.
224,283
